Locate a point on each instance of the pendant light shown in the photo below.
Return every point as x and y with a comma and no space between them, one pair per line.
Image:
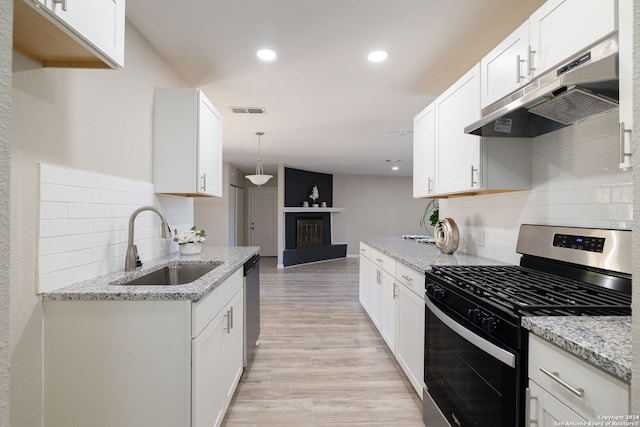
259,178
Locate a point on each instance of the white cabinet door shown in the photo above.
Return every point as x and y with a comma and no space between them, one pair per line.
209,147
99,22
187,143
410,338
375,301
504,69
364,281
424,139
548,411
458,154
207,404
625,40
561,28
233,347
387,324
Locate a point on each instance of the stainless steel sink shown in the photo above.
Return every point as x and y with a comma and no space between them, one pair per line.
173,275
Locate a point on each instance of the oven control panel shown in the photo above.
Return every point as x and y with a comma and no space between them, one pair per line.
581,243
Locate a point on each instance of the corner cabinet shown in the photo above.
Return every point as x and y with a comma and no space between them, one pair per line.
71,33
462,163
187,143
564,388
167,363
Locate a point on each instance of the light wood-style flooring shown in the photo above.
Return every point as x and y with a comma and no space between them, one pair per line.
320,361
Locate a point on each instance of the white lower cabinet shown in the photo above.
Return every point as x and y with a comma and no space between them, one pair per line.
394,293
563,388
410,338
143,363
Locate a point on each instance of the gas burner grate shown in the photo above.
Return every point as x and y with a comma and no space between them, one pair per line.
524,291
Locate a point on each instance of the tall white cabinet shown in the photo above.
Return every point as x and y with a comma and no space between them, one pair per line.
187,143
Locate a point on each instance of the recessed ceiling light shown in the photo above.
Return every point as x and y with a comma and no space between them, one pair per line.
395,168
378,56
267,54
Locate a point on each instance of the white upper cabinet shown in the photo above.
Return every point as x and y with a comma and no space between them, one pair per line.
504,69
625,40
449,162
424,139
557,30
458,154
560,28
187,143
71,33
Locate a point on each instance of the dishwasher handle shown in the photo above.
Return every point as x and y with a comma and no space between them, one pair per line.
251,264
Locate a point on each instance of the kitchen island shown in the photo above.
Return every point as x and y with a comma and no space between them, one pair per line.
161,355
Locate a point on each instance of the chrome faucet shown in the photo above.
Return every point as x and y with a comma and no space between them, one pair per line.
132,260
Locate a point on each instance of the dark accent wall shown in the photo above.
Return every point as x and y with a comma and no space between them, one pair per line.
298,184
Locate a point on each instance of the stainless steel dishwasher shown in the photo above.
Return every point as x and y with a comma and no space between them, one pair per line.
251,307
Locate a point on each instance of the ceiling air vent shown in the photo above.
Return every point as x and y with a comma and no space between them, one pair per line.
248,110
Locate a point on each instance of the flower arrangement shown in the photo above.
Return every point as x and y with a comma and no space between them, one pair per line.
315,195
189,236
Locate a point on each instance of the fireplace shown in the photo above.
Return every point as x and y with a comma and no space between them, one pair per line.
309,232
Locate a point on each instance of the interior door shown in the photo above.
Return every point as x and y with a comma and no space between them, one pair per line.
263,219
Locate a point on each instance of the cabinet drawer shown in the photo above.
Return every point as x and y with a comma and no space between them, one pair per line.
207,308
411,278
383,261
365,250
602,394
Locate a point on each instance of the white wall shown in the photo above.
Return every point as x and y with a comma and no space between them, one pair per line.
92,120
576,182
375,206
6,19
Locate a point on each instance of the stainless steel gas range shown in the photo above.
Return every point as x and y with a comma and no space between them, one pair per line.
475,348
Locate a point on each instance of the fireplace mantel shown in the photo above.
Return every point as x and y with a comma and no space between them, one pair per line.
311,209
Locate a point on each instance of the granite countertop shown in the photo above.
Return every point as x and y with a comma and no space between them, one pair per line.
108,286
603,341
421,256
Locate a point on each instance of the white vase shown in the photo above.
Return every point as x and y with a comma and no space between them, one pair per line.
315,205
190,248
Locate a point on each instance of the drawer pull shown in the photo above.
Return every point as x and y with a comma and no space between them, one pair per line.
407,278
381,261
556,377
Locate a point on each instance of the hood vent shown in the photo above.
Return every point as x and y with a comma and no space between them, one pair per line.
584,87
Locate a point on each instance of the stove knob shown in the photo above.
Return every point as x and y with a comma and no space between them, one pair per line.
440,293
474,315
489,324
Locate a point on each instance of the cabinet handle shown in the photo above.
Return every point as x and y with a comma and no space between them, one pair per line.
430,186
64,4
203,186
473,170
530,67
556,377
394,290
623,152
519,75
378,280
231,316
227,328
380,260
362,250
407,278
527,408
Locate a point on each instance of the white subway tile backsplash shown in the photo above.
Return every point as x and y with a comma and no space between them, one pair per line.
84,224
575,182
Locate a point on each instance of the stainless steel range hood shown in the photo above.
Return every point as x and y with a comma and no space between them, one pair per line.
585,86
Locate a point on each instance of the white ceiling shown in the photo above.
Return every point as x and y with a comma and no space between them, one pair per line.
328,109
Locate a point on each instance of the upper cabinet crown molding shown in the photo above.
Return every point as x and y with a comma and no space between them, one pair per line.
71,33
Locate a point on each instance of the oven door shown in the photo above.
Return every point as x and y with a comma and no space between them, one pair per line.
469,380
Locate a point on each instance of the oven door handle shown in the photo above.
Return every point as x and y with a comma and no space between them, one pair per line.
496,352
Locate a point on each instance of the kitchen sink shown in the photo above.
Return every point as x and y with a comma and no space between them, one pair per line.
180,274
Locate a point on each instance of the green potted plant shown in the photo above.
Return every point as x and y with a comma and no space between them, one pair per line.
430,216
